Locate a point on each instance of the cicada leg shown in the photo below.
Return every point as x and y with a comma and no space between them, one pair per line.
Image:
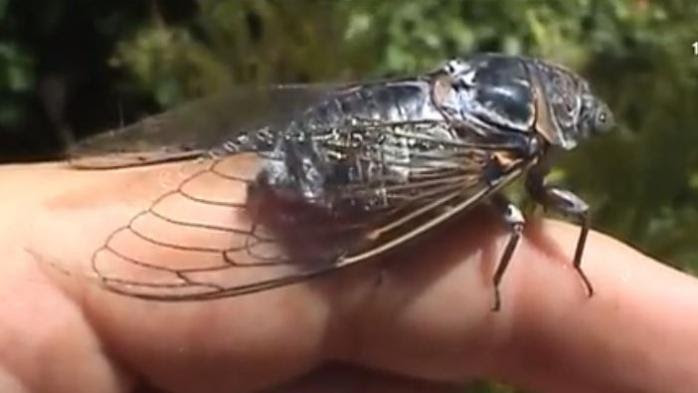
515,221
568,204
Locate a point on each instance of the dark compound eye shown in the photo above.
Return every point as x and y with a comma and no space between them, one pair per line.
604,120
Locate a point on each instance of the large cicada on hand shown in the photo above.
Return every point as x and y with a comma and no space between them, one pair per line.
319,179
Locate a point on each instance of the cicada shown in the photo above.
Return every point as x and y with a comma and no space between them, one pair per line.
318,179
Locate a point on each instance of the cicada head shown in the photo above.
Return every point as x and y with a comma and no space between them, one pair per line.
567,111
596,117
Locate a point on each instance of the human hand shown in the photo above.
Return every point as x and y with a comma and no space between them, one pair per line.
419,320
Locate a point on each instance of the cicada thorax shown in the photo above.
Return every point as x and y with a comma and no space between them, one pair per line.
494,94
488,94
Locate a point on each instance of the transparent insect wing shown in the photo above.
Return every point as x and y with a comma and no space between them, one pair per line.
191,130
206,240
216,234
196,241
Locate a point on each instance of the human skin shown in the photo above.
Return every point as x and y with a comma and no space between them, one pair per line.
418,320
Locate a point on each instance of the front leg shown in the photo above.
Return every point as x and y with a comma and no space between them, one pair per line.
567,204
515,223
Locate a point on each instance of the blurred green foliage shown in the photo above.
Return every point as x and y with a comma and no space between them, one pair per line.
642,181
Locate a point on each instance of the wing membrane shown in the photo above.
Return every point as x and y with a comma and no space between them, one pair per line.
189,131
201,241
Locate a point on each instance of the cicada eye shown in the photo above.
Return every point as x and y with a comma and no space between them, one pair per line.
604,121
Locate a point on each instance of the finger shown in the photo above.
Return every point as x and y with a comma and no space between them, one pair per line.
638,333
46,344
242,344
430,316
